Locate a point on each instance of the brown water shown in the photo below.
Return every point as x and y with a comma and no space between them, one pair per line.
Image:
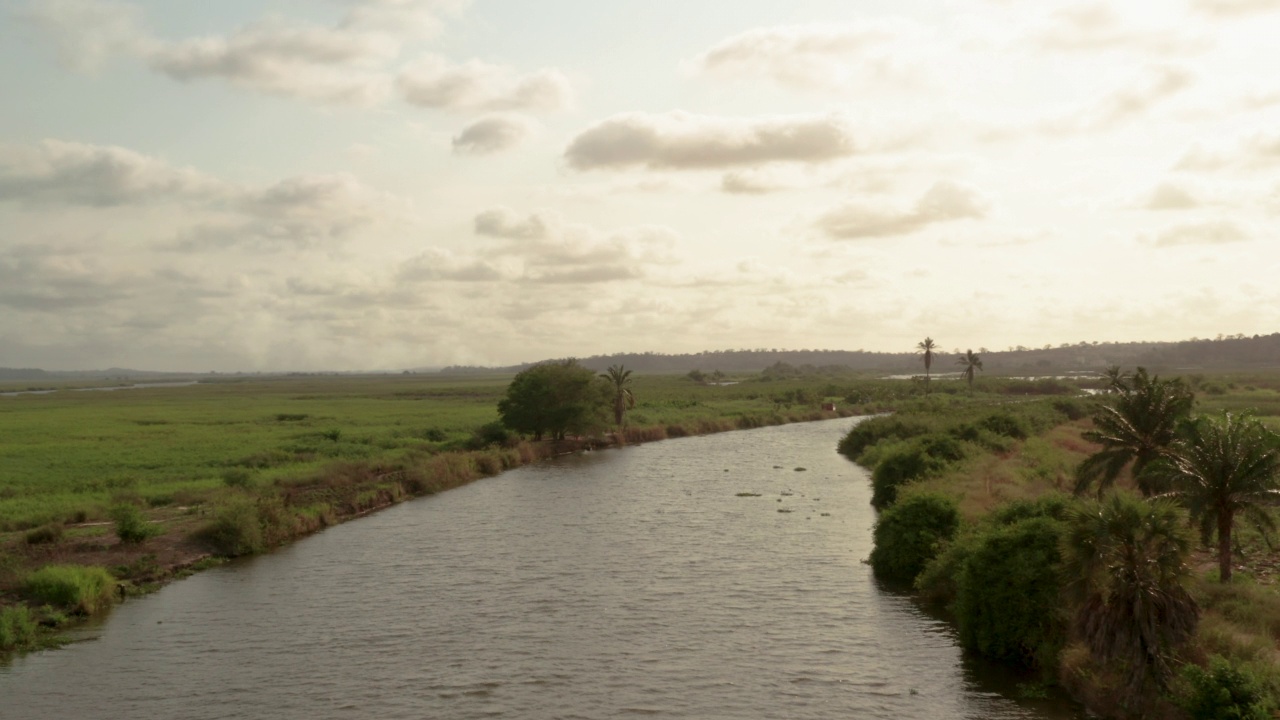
621,583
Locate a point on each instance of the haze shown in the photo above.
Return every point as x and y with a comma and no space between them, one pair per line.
361,184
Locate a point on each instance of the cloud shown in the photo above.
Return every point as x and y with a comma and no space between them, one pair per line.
1096,26
54,171
750,183
435,82
1168,196
945,201
492,134
439,264
88,32
1208,233
1234,8
1258,150
683,141
821,56
503,222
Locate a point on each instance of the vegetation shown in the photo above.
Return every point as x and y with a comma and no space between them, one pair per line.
556,399
910,533
131,525
1224,691
969,362
1125,564
17,628
1135,429
74,588
1226,467
925,348
623,399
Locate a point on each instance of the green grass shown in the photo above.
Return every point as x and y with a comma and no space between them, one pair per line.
75,588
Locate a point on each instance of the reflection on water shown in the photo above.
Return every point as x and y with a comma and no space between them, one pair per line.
613,584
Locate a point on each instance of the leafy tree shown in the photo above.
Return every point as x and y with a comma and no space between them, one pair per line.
910,533
554,399
1123,559
1226,467
969,361
926,348
623,399
1135,428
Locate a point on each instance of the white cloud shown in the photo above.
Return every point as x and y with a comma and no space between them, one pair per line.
1206,233
503,222
54,171
824,56
1125,103
88,32
1235,8
436,82
679,140
492,134
438,264
1097,26
1170,196
1253,151
945,201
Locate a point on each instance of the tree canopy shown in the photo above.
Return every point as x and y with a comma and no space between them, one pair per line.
555,399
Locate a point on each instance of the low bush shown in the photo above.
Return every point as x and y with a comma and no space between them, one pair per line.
236,529
45,534
1005,424
131,525
1223,691
911,460
237,478
17,627
910,533
76,588
1008,604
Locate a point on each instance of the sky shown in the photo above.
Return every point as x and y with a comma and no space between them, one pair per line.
310,185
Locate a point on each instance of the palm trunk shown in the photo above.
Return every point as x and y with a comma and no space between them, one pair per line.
1224,546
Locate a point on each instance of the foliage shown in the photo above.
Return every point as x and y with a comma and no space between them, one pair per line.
911,460
624,399
131,526
1223,691
1123,559
925,348
910,533
1008,603
75,588
236,529
1135,427
555,399
17,627
490,434
969,362
1228,466
45,534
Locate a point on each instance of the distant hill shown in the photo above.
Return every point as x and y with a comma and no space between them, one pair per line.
1221,354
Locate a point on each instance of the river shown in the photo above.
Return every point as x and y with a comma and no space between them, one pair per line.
620,583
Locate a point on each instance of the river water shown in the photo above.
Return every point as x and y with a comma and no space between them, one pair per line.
622,583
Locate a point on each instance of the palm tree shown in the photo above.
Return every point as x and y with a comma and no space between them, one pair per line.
1228,466
1124,565
1117,380
927,346
1135,428
969,361
623,398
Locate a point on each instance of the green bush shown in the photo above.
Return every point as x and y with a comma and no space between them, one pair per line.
1008,604
869,432
1052,506
236,529
131,525
910,461
75,588
1005,424
17,627
1223,692
237,478
910,533
494,433
45,534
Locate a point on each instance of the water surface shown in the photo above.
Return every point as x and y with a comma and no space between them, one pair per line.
622,583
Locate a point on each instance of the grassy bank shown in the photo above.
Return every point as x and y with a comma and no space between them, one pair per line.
151,484
976,516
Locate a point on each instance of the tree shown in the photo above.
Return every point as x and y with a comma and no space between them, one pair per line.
926,347
555,399
1135,428
969,361
1228,466
1123,560
1117,380
623,399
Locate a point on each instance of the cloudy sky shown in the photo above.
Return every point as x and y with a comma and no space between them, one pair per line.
366,184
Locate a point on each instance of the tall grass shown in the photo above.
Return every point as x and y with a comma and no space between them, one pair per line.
75,588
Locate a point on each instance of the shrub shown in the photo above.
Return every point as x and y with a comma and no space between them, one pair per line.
236,529
910,461
237,478
494,433
131,526
17,627
45,534
869,432
910,533
1008,595
1005,424
1223,692
76,588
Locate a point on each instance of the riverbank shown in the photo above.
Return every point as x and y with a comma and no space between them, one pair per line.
975,503
256,517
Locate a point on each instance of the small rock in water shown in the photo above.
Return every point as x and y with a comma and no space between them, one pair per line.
777,467
800,469
826,514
